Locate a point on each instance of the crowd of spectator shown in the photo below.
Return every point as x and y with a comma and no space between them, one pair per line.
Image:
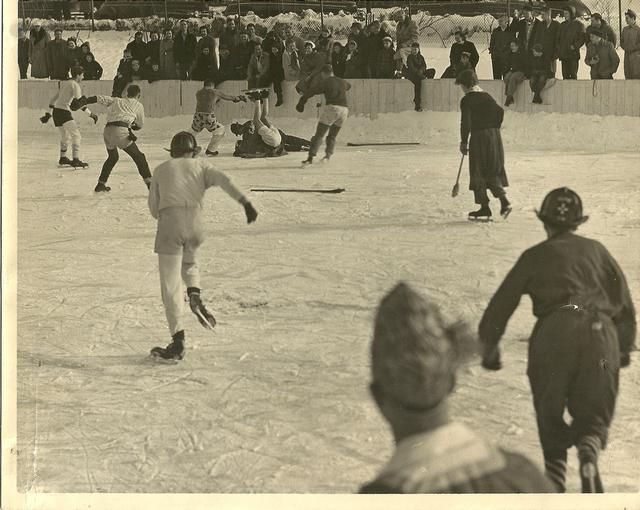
522,48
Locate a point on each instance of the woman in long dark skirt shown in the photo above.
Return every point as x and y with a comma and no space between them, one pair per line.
480,138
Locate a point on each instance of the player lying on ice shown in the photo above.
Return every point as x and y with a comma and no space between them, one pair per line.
175,200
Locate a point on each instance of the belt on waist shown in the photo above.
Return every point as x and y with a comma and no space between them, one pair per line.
118,123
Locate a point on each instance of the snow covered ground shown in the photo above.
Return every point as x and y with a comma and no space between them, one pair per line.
276,399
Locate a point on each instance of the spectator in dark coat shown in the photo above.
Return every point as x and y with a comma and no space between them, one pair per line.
353,66
92,69
74,53
540,72
85,49
545,33
385,65
361,38
597,23
415,356
138,47
205,68
258,69
38,42
153,47
184,51
526,30
601,56
57,58
123,74
276,72
499,47
23,53
570,40
517,71
206,40
167,62
373,47
230,36
338,59
416,72
241,55
226,70
273,39
324,41
460,46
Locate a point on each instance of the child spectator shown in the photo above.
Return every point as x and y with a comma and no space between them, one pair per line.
206,41
291,62
416,72
353,61
205,68
516,71
385,68
23,53
541,71
258,69
85,49
324,40
152,72
276,73
38,41
338,56
601,56
136,71
92,69
167,62
138,48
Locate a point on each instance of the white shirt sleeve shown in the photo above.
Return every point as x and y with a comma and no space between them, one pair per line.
105,100
140,115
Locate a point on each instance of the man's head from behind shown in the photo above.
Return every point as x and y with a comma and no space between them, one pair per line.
133,91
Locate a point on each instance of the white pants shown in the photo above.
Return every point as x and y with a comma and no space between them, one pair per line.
174,269
69,132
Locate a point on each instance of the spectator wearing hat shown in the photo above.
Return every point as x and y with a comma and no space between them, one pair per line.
166,58
456,61
291,62
92,69
374,46
258,69
354,66
585,332
184,51
598,23
406,35
57,58
23,53
499,49
385,65
516,71
415,357
416,72
38,41
138,47
601,56
571,37
545,33
540,72
630,43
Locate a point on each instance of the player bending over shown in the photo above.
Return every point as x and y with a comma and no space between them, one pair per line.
333,114
175,200
65,100
205,117
123,116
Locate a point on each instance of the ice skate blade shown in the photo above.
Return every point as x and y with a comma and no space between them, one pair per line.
155,356
505,214
480,220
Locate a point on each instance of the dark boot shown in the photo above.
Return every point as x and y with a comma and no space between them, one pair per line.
482,214
505,207
173,351
101,187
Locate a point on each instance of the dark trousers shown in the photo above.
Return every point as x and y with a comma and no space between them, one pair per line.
277,88
136,155
499,65
570,69
482,198
295,144
537,82
23,69
574,359
417,92
331,133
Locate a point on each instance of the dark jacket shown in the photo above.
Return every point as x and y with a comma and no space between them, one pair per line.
150,75
517,61
138,50
525,35
229,38
205,68
603,60
540,66
57,59
124,69
479,111
153,50
184,49
276,72
385,63
466,46
416,67
92,70
353,65
608,32
374,46
338,61
241,55
570,40
547,36
205,42
500,41
23,51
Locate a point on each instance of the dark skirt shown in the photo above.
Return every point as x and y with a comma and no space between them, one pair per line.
486,160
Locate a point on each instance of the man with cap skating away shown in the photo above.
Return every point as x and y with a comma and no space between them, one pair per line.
481,118
585,332
175,200
630,43
415,355
333,115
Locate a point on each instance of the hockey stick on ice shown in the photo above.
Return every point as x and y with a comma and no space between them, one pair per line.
294,190
456,186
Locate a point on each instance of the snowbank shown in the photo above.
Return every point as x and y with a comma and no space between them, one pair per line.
547,132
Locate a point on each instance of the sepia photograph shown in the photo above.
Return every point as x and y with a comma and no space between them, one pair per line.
320,254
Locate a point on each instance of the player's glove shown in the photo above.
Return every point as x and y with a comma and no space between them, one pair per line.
491,359
251,213
300,106
45,118
94,117
463,148
625,360
76,104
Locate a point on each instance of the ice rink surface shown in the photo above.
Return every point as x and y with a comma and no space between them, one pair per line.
276,399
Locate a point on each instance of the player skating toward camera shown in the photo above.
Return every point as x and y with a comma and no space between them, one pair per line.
175,200
333,115
205,116
63,102
123,116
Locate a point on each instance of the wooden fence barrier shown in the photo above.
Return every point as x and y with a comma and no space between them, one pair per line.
368,97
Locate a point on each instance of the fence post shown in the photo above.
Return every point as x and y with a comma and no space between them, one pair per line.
93,21
620,21
321,14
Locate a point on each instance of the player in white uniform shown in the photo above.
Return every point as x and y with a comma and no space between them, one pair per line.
267,131
175,200
65,100
205,117
123,115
